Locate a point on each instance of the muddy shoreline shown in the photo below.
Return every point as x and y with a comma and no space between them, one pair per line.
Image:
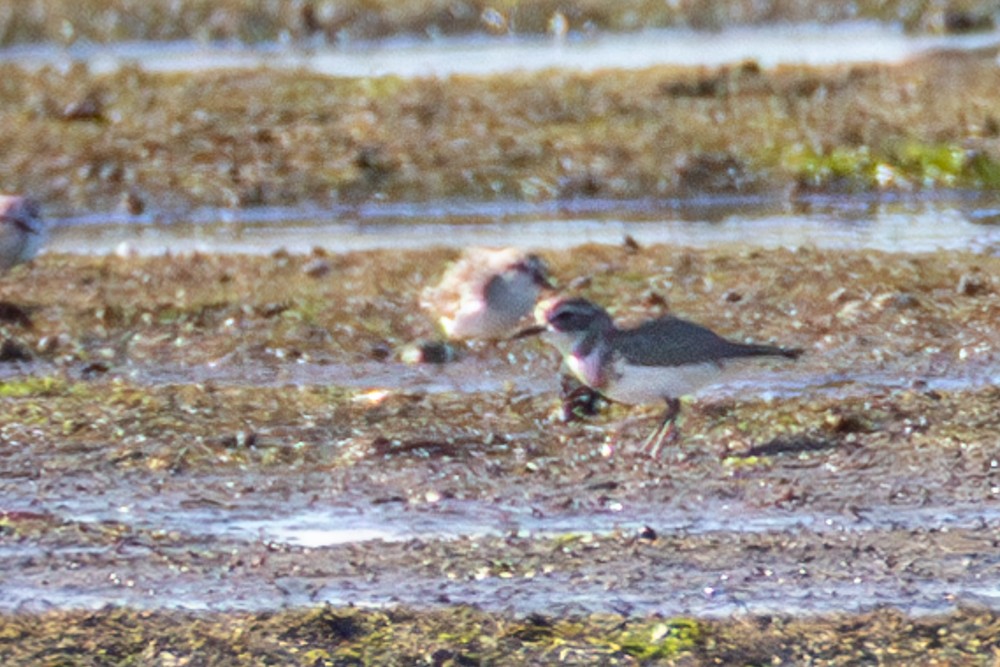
143,143
97,451
221,458
101,21
467,636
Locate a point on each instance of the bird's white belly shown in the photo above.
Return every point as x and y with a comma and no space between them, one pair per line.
634,385
476,317
480,319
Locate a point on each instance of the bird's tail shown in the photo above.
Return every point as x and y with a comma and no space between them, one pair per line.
755,350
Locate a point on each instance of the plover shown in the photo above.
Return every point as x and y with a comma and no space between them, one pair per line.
658,360
487,292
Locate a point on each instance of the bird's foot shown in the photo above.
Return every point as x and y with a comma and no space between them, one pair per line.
15,314
666,434
578,401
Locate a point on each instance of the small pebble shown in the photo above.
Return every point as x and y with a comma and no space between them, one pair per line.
971,284
429,352
317,268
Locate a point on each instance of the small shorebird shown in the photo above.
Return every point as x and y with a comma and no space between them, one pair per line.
487,292
22,230
658,360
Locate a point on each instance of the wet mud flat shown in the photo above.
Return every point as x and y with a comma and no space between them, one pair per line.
157,146
62,21
216,455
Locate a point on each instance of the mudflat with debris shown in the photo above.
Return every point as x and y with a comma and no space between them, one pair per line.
227,450
221,459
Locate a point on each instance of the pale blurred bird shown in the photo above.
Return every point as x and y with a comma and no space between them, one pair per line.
22,230
658,360
487,292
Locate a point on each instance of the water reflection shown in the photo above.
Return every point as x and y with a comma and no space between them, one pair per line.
962,223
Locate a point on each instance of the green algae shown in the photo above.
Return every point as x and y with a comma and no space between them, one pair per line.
900,164
851,166
737,463
464,636
664,640
33,386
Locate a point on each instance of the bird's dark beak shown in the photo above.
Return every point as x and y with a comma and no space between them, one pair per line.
544,280
529,331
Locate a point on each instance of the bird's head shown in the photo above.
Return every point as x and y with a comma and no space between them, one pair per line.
572,316
566,321
535,268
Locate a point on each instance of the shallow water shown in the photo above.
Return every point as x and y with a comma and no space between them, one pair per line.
475,376
248,527
768,46
966,222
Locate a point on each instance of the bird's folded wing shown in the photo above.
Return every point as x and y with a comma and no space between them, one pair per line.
671,341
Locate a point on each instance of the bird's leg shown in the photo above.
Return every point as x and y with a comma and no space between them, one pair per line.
15,314
666,432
